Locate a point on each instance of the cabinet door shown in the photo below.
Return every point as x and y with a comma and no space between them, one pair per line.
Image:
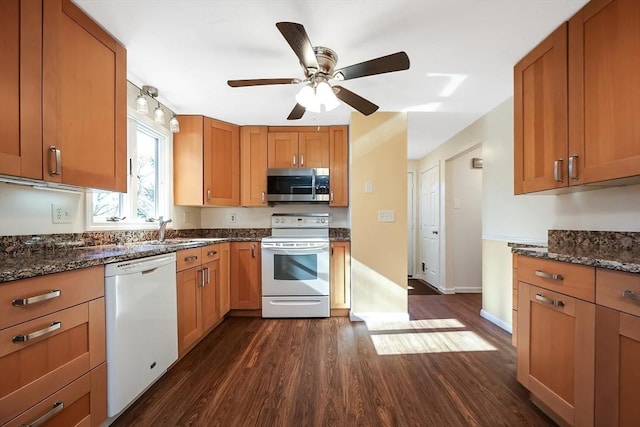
84,100
253,166
282,150
340,275
225,260
189,308
556,346
210,291
313,149
540,116
246,289
20,88
604,90
188,162
339,165
617,369
221,163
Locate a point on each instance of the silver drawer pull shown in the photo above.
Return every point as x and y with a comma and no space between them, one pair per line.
553,302
20,302
631,295
190,258
24,338
57,407
551,276
212,253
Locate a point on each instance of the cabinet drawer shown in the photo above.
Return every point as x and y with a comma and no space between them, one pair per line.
36,367
188,258
569,279
80,403
45,294
618,290
210,253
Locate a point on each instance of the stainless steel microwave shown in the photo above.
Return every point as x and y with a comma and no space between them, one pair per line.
298,185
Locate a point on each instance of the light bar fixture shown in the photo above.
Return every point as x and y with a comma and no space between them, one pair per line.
142,107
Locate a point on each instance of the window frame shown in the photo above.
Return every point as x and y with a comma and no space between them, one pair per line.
165,179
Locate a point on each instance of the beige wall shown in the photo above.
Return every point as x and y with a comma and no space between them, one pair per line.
378,249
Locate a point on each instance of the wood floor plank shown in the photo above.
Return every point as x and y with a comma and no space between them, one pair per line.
327,372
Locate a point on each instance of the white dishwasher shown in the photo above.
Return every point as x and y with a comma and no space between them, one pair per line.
142,326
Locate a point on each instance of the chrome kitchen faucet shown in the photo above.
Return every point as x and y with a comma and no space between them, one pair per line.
162,226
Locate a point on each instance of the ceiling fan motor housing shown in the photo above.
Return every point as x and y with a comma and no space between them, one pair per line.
327,60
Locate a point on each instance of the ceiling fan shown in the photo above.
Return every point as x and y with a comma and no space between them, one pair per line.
319,64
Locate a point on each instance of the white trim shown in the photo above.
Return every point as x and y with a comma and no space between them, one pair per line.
496,321
515,239
446,291
468,289
385,317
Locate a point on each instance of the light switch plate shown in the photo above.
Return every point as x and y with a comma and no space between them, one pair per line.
386,216
368,187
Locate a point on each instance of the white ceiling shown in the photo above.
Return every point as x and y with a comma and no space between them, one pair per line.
188,49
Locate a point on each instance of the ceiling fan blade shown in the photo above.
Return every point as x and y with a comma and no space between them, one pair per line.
261,82
356,101
297,38
297,112
385,64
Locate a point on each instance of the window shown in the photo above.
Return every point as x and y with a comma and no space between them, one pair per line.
148,189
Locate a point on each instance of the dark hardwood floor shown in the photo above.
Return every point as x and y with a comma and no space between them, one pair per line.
457,371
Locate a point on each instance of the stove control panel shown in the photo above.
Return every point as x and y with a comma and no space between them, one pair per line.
300,220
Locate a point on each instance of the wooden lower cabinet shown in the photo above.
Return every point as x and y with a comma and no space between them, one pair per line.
340,275
225,278
246,276
66,361
617,401
198,291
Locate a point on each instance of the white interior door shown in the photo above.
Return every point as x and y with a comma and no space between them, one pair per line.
410,221
430,225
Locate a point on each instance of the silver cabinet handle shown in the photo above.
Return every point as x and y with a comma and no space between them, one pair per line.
208,194
301,160
331,197
573,167
57,407
208,276
553,302
557,170
631,295
253,251
21,302
24,338
551,276
293,161
262,197
212,253
190,258
55,170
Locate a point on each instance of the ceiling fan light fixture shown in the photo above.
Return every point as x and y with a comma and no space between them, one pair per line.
326,97
314,96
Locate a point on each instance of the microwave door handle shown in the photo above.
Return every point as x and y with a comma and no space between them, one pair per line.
313,184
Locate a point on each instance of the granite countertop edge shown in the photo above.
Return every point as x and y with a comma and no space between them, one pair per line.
36,263
609,264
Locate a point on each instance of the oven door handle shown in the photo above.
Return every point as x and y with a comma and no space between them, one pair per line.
294,250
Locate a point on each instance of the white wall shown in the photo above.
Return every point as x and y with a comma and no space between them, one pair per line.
463,211
261,217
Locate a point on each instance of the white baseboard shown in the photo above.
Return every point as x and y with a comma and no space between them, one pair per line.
468,289
378,317
498,322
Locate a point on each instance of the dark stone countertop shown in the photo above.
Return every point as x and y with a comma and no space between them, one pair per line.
619,261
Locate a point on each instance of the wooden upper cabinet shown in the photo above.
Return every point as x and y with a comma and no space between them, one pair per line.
84,109
313,149
339,166
298,147
221,163
282,150
21,88
604,91
206,163
540,116
253,166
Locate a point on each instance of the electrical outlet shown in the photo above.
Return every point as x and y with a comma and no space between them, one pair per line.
61,214
233,218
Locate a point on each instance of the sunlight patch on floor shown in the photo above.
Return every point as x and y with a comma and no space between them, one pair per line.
429,342
374,325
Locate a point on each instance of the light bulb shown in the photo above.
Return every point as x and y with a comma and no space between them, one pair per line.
174,125
306,96
158,115
326,96
141,104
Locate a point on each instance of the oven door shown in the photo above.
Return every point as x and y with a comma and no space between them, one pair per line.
295,268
